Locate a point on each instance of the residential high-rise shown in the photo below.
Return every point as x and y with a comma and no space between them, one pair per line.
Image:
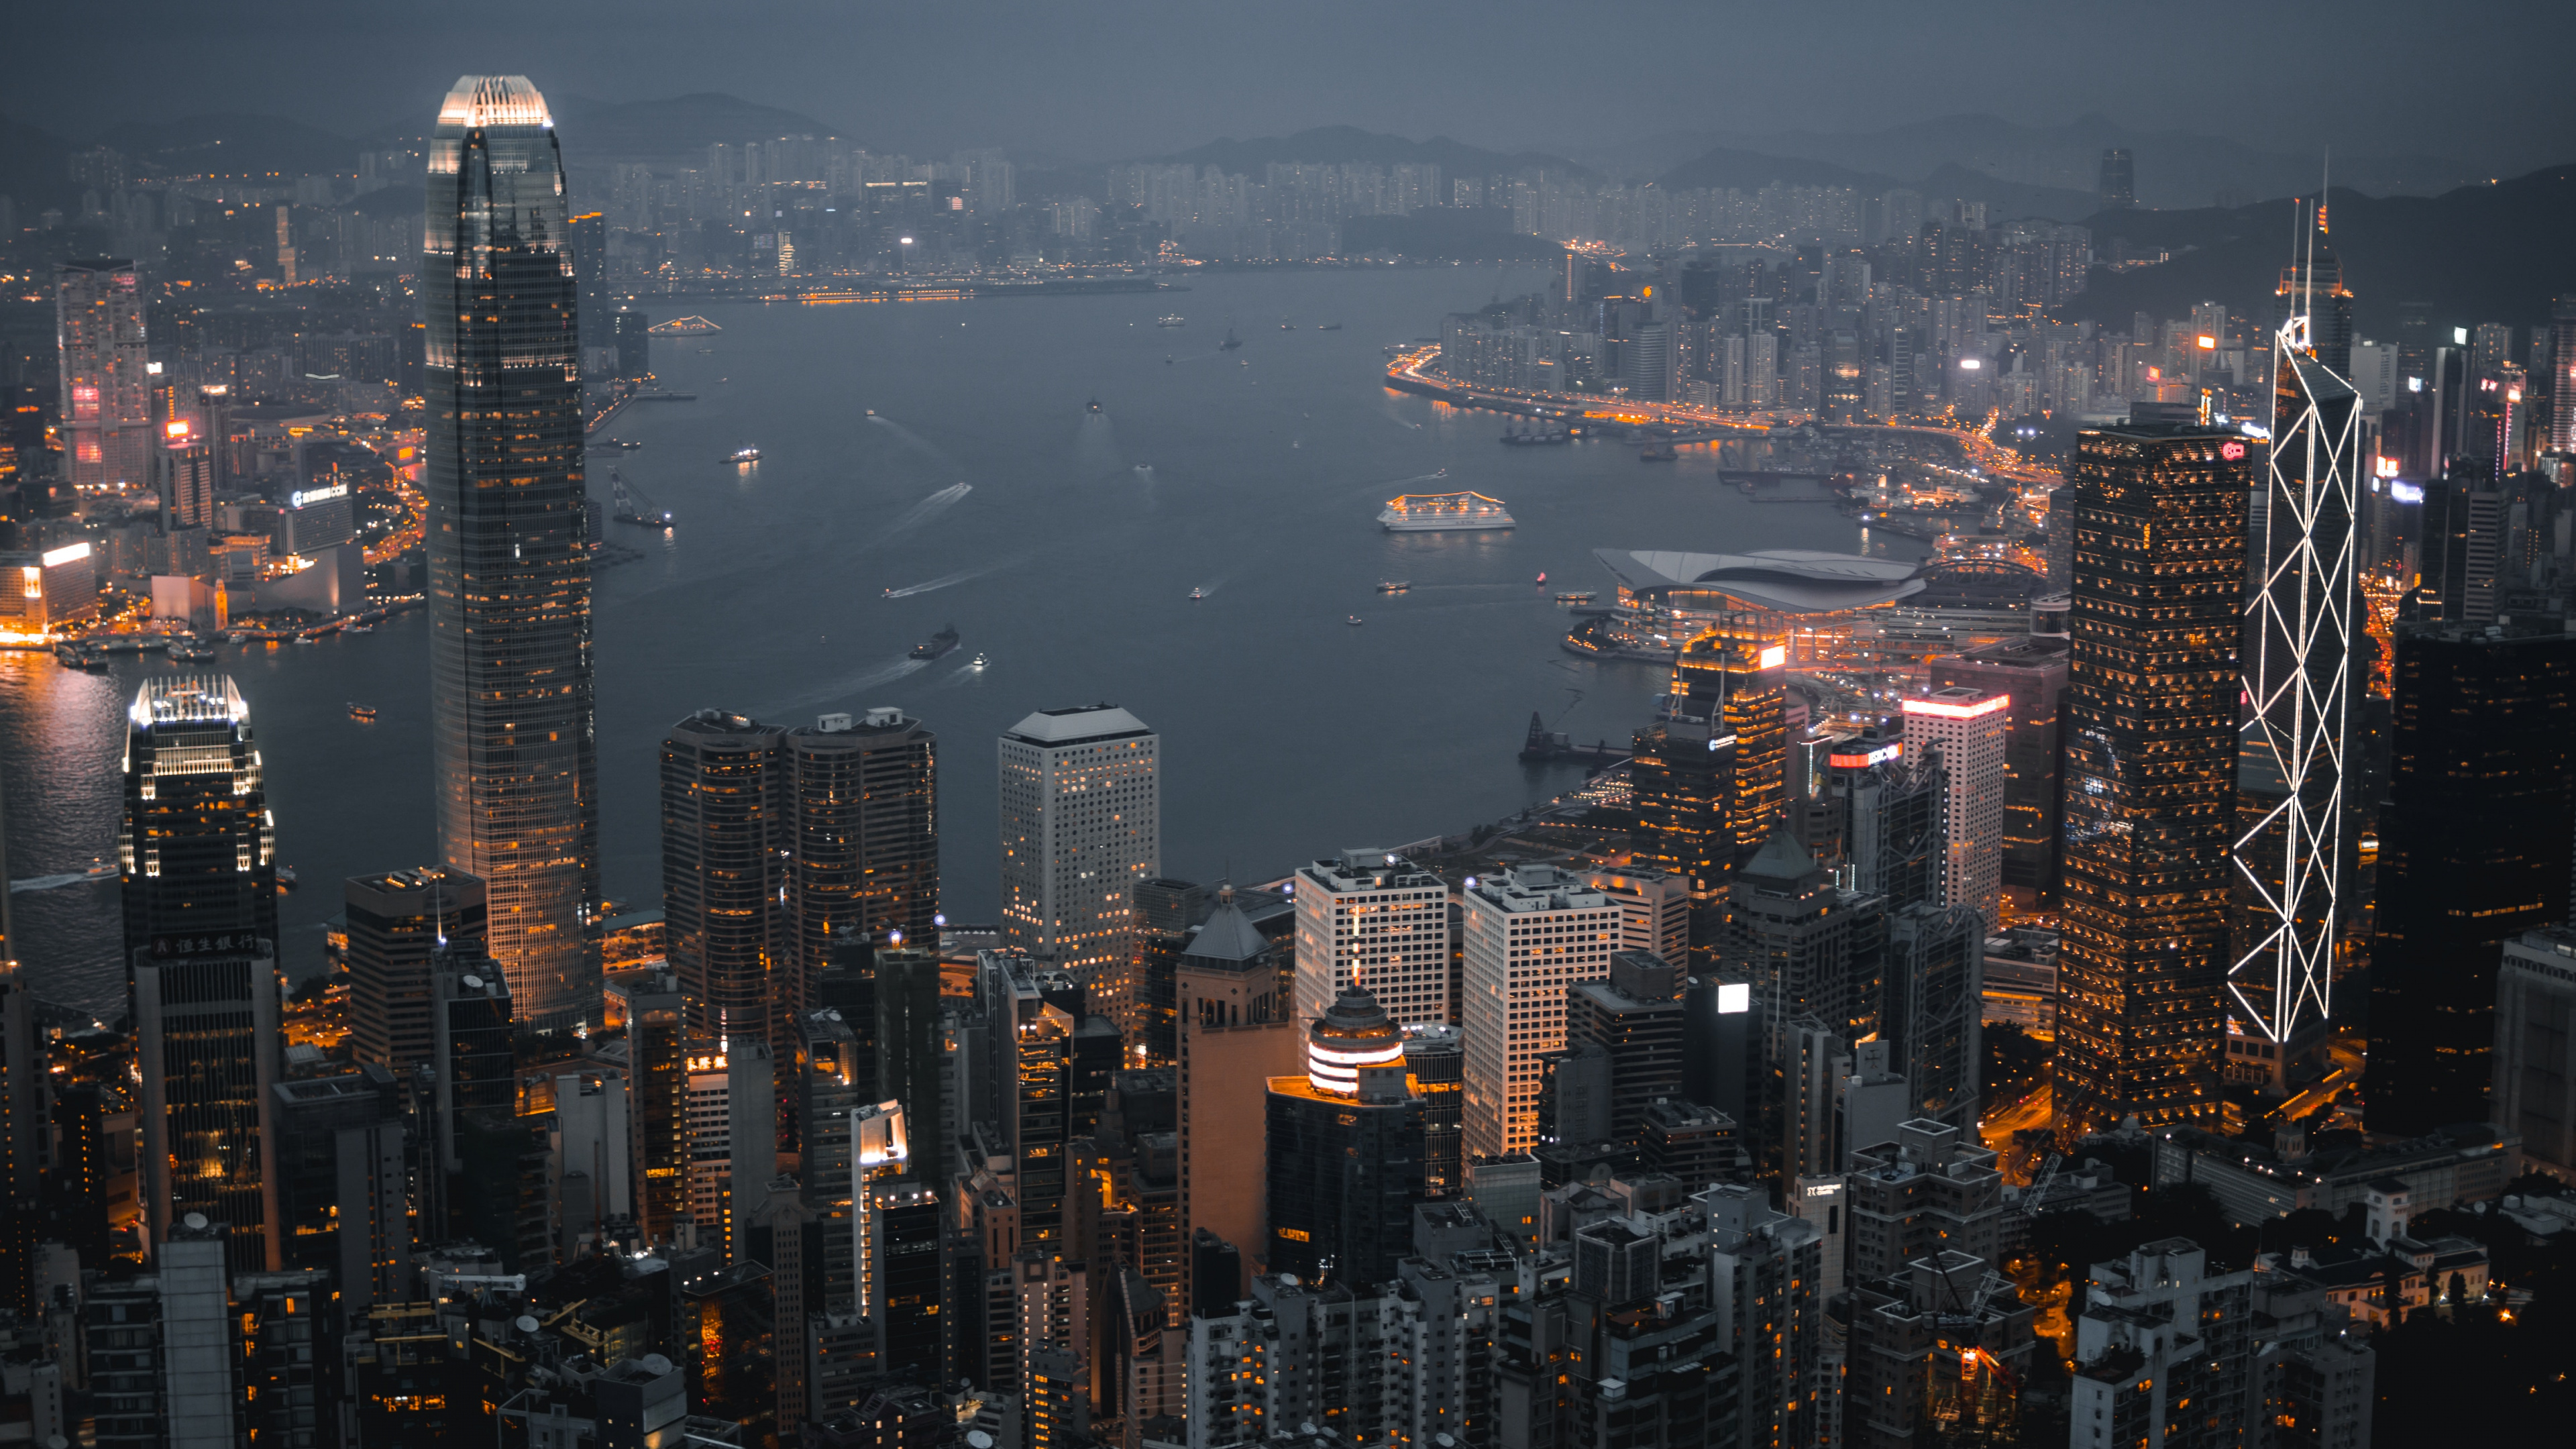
206,1035
732,1136
1345,1143
1969,728
2159,518
862,809
2164,1349
722,862
399,922
1654,911
197,844
1375,921
343,1204
512,751
2033,672
1532,931
2562,373
2302,617
1081,798
2474,851
106,384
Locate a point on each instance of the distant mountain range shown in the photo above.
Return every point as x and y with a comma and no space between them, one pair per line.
2174,168
2476,254
673,128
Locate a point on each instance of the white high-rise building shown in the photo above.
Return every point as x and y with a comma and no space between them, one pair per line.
1531,933
1376,921
732,1103
1969,727
1654,911
1082,814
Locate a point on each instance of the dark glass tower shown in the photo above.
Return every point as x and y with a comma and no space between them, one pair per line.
1684,781
2151,716
509,561
861,836
197,844
2474,851
722,829
1346,1144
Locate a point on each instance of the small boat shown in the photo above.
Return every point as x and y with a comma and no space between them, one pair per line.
1197,594
1393,586
1287,326
359,629
1355,619
937,644
1657,453
977,662
706,352
1578,596
744,454
362,713
872,412
1231,341
1542,577
1095,405
101,868
1171,319
1145,468
1167,359
1329,327
306,639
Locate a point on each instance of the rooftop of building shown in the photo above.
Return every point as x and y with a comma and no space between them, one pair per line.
1792,581
1081,724
1535,888
1367,868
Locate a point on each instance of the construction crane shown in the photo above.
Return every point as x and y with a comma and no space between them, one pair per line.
627,504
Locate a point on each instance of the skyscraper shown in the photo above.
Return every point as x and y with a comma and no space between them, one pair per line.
1377,922
2301,619
509,560
2119,179
207,1038
657,1093
197,843
2312,294
1081,825
2033,672
721,862
863,832
2159,518
1967,728
2474,851
1345,1143
399,923
2561,391
1532,932
107,392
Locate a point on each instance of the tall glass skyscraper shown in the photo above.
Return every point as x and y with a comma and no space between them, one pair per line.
509,562
2151,715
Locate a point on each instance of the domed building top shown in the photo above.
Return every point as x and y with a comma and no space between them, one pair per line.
1353,1033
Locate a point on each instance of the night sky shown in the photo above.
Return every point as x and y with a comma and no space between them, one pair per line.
2484,84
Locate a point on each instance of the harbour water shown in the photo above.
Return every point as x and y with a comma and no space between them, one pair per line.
1063,544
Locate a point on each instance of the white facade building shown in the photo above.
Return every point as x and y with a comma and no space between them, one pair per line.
1081,805
1531,933
1376,921
1970,727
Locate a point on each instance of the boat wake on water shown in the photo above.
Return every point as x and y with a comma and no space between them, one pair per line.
941,582
45,882
927,509
886,673
915,440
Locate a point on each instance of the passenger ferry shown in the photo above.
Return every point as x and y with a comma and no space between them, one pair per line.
1171,319
362,713
1435,512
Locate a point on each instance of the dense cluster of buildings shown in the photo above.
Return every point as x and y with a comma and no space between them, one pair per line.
1679,1148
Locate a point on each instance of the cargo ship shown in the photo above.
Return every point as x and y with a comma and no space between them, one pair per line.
937,644
1436,512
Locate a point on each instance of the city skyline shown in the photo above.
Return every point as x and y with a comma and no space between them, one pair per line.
1996,764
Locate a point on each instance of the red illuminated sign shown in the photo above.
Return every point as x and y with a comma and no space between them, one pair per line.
2231,451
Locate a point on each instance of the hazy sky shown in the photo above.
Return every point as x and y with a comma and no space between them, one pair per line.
2484,83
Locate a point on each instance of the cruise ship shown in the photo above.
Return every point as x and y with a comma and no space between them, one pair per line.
1432,512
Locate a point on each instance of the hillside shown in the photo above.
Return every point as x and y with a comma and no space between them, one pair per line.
1344,145
671,128
2476,254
